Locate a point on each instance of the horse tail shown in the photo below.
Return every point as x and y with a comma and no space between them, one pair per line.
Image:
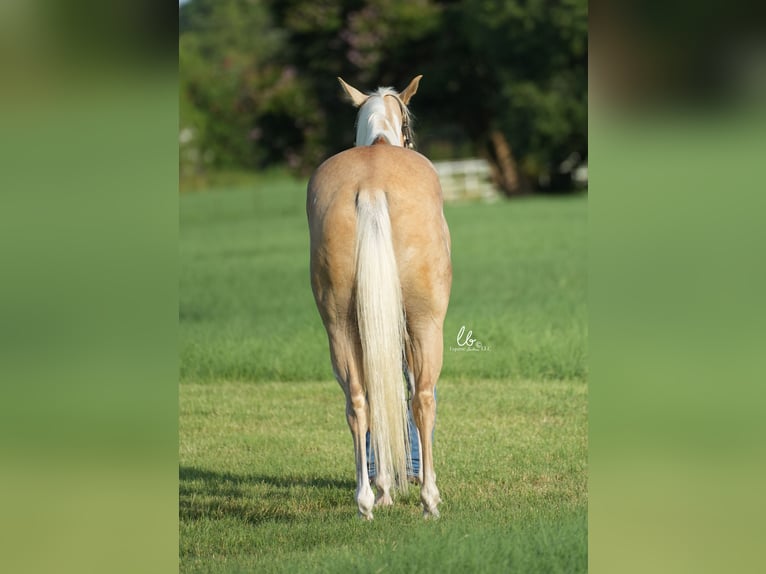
380,316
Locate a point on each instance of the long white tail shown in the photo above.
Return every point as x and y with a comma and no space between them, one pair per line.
381,328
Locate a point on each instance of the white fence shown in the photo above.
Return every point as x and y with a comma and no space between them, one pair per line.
466,179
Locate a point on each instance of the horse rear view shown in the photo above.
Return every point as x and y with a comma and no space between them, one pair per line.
381,277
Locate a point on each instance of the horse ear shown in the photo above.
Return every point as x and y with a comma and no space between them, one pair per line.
357,97
410,90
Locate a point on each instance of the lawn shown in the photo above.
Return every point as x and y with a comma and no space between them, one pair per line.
266,464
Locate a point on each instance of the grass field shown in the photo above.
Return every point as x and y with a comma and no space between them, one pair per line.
266,464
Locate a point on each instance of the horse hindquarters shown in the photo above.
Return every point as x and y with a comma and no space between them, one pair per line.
359,297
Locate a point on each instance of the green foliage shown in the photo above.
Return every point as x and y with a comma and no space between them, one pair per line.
242,99
522,69
258,78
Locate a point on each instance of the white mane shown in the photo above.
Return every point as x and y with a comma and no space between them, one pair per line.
374,120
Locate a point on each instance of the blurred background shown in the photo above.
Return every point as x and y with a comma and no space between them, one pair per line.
504,81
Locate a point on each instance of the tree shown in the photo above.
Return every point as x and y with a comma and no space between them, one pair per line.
239,95
516,77
504,79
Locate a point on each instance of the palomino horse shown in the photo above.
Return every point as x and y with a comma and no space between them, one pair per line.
381,276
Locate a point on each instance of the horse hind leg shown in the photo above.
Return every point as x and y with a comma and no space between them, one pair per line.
357,416
427,351
345,354
382,479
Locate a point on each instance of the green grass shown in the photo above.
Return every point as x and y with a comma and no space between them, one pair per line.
266,463
247,312
267,482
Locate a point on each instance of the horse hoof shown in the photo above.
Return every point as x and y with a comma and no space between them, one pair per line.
431,514
384,500
367,517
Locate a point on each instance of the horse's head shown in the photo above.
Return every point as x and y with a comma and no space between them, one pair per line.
383,114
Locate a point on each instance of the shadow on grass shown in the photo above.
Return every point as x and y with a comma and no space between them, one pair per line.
259,498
